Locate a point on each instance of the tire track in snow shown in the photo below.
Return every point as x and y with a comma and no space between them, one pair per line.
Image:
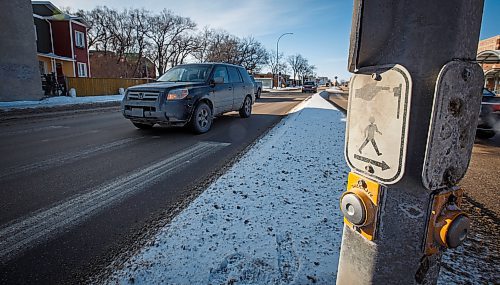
32,130
40,226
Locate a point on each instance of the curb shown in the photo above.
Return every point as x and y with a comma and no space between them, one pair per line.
326,95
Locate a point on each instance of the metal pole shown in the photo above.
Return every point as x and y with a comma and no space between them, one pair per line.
413,107
277,57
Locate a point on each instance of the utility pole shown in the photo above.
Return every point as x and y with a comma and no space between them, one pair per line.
19,67
414,102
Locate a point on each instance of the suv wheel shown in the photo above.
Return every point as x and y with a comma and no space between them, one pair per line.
202,118
143,126
246,109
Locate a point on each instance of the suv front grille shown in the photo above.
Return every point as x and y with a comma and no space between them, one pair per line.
144,96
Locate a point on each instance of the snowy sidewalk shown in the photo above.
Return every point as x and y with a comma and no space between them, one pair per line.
273,218
59,101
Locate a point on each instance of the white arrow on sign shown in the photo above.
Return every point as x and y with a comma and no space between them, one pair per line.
377,122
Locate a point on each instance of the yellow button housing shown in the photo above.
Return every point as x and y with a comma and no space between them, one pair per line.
360,203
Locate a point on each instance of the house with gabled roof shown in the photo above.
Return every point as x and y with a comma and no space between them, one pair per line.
61,41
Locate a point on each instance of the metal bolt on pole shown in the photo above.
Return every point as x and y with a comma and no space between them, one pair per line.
414,102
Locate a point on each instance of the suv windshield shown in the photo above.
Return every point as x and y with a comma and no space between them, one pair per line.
187,73
309,83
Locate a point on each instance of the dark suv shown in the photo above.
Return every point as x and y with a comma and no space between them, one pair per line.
309,86
489,117
190,94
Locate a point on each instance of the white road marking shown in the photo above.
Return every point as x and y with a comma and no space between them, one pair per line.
65,158
42,225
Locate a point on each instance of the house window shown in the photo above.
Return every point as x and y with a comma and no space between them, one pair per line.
79,39
82,69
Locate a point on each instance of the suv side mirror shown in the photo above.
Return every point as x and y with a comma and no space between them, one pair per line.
218,80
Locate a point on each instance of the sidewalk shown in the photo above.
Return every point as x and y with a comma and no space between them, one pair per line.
273,218
58,101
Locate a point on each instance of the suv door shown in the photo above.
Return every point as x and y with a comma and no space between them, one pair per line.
250,87
239,88
222,93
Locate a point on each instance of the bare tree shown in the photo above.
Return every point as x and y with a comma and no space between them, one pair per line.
297,63
223,48
307,71
251,54
167,39
220,46
273,64
203,42
163,30
98,35
182,47
139,19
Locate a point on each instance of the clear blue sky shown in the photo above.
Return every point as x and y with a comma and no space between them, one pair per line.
321,27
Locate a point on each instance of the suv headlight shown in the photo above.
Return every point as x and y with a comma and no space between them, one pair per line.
177,94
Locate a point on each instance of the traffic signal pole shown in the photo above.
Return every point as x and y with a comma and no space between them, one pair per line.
414,102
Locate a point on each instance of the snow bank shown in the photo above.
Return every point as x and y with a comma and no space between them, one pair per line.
59,101
334,90
273,218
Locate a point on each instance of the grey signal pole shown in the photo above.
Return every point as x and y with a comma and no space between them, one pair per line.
413,107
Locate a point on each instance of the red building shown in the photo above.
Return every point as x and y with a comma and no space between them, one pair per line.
61,41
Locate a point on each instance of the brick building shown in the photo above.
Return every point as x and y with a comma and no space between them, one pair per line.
489,58
109,65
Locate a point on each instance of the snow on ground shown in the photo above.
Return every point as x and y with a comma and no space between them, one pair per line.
267,89
59,101
273,218
334,90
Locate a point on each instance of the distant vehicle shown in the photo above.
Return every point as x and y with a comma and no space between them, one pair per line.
257,87
489,117
309,86
190,94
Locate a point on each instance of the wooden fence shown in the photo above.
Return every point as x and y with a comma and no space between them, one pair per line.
101,86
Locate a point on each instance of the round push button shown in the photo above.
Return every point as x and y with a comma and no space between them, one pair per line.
457,231
353,209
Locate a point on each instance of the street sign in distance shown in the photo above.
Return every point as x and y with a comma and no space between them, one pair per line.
377,122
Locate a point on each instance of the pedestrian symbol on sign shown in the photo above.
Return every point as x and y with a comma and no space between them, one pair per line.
370,131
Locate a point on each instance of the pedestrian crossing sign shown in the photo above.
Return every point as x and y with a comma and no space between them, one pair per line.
377,122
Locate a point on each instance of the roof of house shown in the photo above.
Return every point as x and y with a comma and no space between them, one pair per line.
48,5
55,56
53,13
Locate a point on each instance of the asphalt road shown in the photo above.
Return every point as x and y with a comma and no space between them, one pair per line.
483,176
79,189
